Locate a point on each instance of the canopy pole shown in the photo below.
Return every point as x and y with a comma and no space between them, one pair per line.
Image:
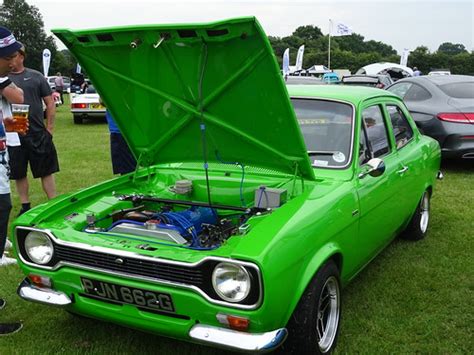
329,45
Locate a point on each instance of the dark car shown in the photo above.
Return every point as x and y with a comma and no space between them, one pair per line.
377,81
443,108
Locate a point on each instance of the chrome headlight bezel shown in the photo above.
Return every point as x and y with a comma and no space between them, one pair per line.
39,247
222,275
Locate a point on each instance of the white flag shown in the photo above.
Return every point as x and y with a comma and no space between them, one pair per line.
46,61
286,62
299,58
339,29
78,68
404,57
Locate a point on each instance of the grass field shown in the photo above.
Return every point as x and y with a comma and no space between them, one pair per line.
413,298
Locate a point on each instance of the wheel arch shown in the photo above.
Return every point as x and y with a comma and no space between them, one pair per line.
429,188
330,252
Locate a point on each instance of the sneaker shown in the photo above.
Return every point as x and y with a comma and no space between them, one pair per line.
9,328
7,261
8,245
2,303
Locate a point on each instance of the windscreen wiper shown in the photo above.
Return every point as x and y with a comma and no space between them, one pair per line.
321,152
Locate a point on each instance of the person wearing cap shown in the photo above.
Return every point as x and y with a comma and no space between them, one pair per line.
9,48
416,72
37,148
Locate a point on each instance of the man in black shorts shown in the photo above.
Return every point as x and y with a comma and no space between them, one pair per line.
37,146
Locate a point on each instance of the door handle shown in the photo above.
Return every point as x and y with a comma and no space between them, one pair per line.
402,170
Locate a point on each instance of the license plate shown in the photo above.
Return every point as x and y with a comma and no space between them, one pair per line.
155,301
96,106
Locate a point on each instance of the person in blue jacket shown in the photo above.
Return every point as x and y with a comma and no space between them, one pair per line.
123,161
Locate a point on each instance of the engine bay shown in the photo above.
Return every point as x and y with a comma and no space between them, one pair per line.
193,225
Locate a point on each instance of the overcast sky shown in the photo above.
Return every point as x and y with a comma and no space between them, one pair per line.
402,23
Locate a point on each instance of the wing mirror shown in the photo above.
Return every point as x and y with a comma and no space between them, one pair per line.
374,167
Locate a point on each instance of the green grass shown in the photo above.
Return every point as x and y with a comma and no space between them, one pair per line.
413,298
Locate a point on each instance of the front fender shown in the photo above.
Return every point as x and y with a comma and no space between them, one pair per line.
327,252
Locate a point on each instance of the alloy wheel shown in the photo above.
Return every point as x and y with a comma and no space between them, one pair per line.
328,314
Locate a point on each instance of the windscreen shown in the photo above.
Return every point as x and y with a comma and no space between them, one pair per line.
327,131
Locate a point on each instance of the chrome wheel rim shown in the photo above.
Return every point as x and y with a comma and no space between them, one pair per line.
328,314
424,212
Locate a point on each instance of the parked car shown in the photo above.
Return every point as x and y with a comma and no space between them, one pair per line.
380,81
303,80
396,71
67,83
87,105
246,244
440,72
443,108
330,78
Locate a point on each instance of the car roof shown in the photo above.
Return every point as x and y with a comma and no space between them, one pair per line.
438,79
352,94
446,79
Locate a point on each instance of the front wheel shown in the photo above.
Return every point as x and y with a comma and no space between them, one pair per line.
418,226
78,119
314,325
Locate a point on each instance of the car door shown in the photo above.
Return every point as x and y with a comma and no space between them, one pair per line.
378,196
410,171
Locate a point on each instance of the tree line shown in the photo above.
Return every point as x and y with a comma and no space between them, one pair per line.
348,52
353,52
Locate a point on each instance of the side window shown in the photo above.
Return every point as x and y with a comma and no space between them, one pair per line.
376,130
364,151
417,93
400,89
401,128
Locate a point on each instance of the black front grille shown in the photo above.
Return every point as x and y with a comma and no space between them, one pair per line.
132,266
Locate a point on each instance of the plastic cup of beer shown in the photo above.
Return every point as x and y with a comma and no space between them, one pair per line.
20,115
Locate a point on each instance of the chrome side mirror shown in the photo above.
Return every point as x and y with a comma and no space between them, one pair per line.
374,167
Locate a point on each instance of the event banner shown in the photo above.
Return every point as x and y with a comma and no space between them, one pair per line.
286,62
299,58
46,61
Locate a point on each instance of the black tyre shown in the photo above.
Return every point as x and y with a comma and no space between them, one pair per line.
78,119
418,226
314,326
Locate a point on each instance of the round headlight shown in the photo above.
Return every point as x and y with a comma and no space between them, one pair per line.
231,282
39,247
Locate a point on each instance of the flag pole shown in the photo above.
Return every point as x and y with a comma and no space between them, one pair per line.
329,45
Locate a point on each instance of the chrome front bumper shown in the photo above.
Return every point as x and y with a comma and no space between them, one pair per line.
29,292
206,334
240,341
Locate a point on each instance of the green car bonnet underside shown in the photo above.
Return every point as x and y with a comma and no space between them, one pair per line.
195,92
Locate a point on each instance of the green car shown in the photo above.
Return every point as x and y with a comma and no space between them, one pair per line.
253,204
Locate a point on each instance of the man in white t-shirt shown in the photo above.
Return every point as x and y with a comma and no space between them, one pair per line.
8,91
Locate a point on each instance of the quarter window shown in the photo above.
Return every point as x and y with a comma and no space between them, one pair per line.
417,93
400,89
401,128
375,133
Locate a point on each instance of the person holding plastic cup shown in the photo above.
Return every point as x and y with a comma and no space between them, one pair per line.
9,48
36,148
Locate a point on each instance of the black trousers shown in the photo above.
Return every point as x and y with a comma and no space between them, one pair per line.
5,208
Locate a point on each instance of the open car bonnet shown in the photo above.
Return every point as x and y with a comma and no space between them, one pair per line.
196,92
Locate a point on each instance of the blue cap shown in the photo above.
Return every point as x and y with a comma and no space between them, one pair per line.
8,42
